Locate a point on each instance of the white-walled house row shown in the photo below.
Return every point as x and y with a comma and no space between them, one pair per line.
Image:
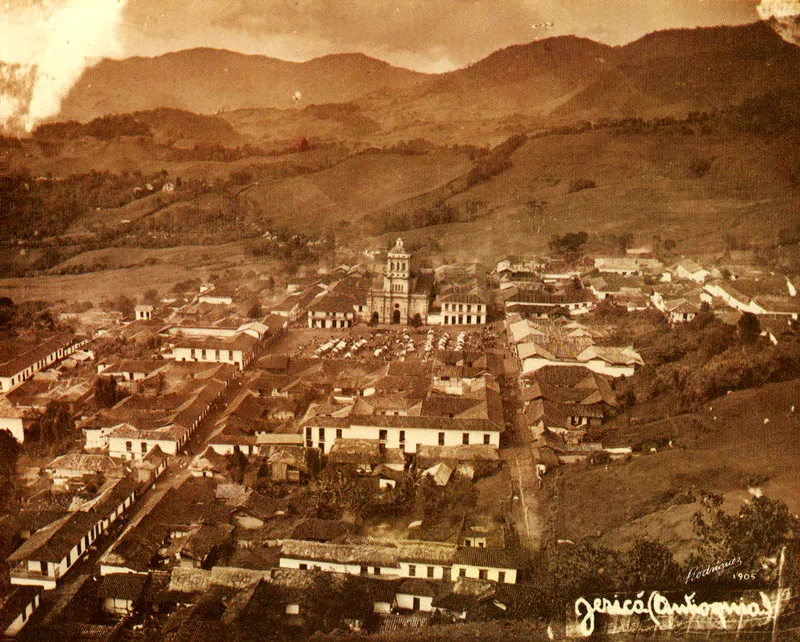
402,559
23,362
404,432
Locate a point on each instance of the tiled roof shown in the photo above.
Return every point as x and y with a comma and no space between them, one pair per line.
52,544
14,602
416,586
332,304
121,586
485,557
17,357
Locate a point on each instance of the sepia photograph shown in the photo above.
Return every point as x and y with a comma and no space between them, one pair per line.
399,320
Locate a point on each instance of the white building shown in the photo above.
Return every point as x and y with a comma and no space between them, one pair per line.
20,362
239,350
49,553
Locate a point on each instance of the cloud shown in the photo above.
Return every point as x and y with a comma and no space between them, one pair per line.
45,46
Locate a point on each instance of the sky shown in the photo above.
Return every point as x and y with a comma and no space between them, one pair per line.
425,35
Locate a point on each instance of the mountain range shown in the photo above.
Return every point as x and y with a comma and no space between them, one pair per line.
561,79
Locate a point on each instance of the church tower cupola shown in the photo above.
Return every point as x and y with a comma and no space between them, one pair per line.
398,262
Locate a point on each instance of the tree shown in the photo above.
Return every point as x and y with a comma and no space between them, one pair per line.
752,536
255,311
332,599
271,284
151,297
105,391
416,321
749,328
53,427
9,453
649,565
236,464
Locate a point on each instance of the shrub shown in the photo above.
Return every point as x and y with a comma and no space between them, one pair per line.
580,184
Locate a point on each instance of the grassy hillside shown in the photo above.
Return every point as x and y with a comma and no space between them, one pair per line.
726,448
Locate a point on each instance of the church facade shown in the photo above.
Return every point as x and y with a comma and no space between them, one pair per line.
397,296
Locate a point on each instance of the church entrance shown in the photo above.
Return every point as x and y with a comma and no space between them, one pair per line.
396,316
376,319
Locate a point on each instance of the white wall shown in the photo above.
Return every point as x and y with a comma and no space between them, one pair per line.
15,426
493,574
405,601
117,447
413,437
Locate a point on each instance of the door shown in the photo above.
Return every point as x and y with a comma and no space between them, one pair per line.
396,316
416,604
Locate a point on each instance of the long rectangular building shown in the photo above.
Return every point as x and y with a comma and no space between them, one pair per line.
19,362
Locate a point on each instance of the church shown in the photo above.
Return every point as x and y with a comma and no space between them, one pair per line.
398,296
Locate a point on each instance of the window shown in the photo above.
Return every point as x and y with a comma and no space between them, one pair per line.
377,570
487,439
382,434
338,433
465,439
365,570
462,572
129,446
144,447
430,572
467,543
501,577
412,570
483,574
441,439
402,437
321,434
303,567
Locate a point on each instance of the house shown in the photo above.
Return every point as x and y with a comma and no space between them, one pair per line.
130,369
464,305
624,266
287,463
680,310
50,552
203,545
19,360
15,420
121,593
513,263
209,464
16,608
456,405
239,349
612,361
331,311
496,565
167,420
76,465
470,599
294,306
687,269
359,456
150,467
143,312
217,296
541,304
428,560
